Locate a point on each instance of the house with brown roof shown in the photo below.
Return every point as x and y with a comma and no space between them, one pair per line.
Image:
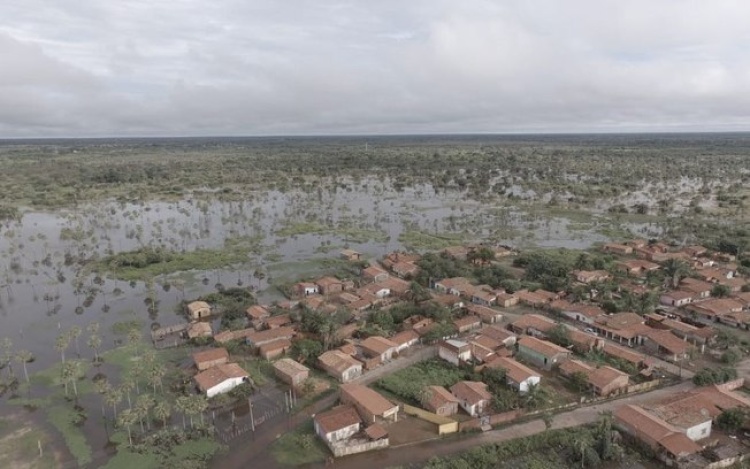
533,299
371,406
220,379
625,328
580,312
212,357
350,255
590,276
484,296
199,329
627,355
257,312
712,310
472,396
698,288
532,324
637,267
457,252
397,286
467,323
484,347
665,440
275,349
329,285
341,366
374,274
506,300
440,401
454,351
517,375
198,309
378,347
486,314
541,353
305,289
453,286
584,342
499,334
676,298
606,381
619,249
405,269
337,424
290,371
698,336
274,322
666,345
405,339
256,339
446,300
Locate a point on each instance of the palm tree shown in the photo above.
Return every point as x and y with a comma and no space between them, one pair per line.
583,446
70,371
535,397
183,404
7,356
94,343
62,342
134,336
162,411
113,396
125,387
155,373
200,404
93,328
142,407
24,356
126,419
75,333
675,270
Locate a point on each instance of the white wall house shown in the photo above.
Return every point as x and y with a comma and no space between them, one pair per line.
337,424
220,379
699,431
454,351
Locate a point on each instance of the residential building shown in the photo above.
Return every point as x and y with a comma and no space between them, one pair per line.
212,357
580,312
351,255
625,328
664,439
472,396
256,339
405,339
379,347
666,345
467,323
341,366
275,349
198,309
486,314
454,351
606,381
499,334
440,401
199,329
541,353
453,286
220,379
371,406
590,276
374,274
290,371
532,324
329,285
506,300
517,375
337,424
619,249
257,313
306,288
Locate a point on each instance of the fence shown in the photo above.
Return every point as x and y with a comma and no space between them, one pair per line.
445,424
345,449
731,385
492,420
648,385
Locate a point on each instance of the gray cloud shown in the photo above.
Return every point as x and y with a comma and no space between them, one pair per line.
233,67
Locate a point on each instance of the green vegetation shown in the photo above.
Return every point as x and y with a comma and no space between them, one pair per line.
300,446
347,232
706,376
68,421
421,241
19,446
409,383
165,448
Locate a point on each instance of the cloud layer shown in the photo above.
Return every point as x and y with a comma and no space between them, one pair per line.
261,67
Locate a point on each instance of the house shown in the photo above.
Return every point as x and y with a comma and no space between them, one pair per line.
517,375
499,334
275,349
590,276
570,367
695,251
619,249
220,379
580,312
351,255
625,328
532,324
405,269
306,288
447,300
405,339
506,300
636,267
370,405
698,288
666,345
484,297
584,342
212,357
199,329
676,298
274,322
665,440
374,274
379,347
257,313
337,424
467,323
606,381
340,365
541,353
440,401
638,360
486,314
397,286
453,286
454,351
256,339
198,309
396,257
472,396
712,310
533,299
484,347
314,301
695,335
457,252
290,371
329,285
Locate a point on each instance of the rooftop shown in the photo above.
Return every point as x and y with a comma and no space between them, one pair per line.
210,355
218,374
337,418
368,399
290,367
471,391
547,349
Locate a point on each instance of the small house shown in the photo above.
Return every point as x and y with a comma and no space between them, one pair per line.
341,366
454,351
440,401
517,375
290,371
472,396
198,309
371,406
220,379
541,353
379,347
208,358
337,424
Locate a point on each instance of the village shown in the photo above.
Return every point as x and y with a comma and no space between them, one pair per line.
406,353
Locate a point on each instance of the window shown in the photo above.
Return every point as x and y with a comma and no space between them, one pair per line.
704,431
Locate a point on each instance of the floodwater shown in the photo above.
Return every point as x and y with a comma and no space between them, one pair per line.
41,294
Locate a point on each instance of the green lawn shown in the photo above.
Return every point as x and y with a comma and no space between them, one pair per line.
299,447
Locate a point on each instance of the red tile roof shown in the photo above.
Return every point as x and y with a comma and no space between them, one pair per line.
337,418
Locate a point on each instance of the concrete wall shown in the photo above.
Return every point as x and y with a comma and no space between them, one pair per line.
699,431
223,387
495,419
354,448
445,424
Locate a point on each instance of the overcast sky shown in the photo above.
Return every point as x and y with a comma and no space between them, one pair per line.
271,67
